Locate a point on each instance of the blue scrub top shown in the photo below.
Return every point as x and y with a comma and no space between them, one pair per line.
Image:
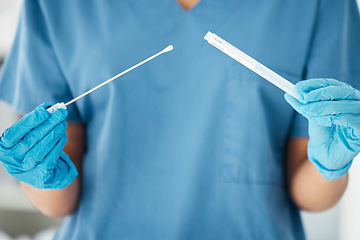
192,144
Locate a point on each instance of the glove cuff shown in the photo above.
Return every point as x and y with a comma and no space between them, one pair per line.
331,174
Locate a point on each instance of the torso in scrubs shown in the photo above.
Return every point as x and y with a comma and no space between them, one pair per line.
192,144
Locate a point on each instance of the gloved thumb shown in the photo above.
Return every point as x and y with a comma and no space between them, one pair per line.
293,102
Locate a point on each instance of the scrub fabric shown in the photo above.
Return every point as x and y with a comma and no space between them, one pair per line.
192,144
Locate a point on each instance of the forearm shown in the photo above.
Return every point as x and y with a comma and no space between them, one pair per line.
59,203
54,203
311,191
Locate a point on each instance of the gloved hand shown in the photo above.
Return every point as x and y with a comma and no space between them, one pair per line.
31,150
333,111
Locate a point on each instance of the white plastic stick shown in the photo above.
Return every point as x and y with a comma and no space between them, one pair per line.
167,49
251,64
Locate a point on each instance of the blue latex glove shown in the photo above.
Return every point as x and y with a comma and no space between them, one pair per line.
31,150
333,111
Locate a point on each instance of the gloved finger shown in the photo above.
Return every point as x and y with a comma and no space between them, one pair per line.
56,151
331,93
35,135
317,109
64,173
344,120
48,165
37,153
16,132
316,83
293,102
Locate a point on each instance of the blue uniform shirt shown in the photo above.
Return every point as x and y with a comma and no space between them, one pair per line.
192,144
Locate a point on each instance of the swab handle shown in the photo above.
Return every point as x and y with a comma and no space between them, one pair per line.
167,49
56,107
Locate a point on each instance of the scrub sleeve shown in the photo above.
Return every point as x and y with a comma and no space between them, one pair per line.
336,43
31,74
335,50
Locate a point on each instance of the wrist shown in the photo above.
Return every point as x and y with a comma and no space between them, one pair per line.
330,174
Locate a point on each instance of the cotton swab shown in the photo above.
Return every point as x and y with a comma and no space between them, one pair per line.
62,105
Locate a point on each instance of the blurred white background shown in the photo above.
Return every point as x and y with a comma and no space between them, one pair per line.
19,220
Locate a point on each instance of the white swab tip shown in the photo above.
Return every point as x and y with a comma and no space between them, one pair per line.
56,107
168,49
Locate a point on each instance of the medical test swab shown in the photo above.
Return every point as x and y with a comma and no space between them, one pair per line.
251,64
62,105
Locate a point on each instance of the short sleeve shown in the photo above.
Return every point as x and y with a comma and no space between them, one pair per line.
31,74
335,49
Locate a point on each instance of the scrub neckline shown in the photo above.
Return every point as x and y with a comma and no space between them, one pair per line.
196,6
